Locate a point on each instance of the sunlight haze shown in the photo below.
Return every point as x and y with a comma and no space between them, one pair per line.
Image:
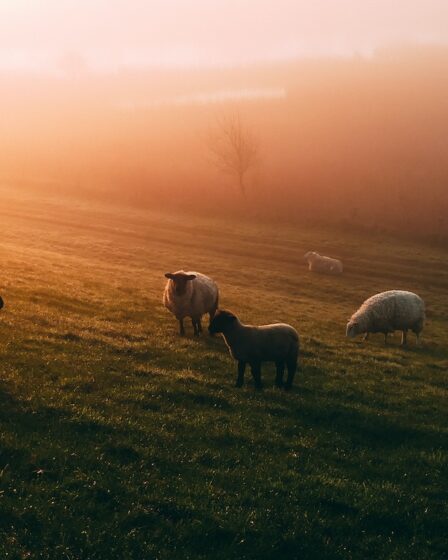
111,34
223,296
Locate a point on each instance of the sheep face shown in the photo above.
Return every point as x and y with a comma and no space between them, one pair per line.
353,329
180,280
310,256
222,322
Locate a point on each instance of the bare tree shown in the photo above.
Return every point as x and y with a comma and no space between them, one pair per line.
234,149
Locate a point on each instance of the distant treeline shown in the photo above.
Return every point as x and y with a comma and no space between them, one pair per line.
360,141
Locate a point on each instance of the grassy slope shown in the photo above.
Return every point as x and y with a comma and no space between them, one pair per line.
121,440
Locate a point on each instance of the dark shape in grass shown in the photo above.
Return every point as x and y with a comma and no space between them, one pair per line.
337,507
122,453
70,337
254,345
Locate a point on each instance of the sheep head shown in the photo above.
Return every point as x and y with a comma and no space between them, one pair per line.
222,322
353,329
180,280
310,256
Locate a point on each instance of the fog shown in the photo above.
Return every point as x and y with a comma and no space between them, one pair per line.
119,101
353,140
113,34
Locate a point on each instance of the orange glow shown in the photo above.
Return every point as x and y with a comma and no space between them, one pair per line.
117,99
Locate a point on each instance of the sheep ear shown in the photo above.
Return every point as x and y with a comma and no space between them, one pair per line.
169,275
230,316
191,276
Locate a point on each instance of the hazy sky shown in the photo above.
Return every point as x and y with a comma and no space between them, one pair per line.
41,34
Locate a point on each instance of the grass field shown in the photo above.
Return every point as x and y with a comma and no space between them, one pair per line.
119,439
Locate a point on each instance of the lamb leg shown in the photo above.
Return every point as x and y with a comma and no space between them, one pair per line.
241,370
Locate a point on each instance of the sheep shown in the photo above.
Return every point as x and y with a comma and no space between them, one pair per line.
277,343
325,265
386,312
190,294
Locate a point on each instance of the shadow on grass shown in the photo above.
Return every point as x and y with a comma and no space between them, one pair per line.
43,431
367,429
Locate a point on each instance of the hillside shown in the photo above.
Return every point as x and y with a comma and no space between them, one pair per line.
119,439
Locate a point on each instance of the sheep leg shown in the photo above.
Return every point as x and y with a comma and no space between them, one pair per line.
211,315
212,312
256,374
385,338
241,370
280,371
199,324
292,368
181,327
404,338
195,327
366,336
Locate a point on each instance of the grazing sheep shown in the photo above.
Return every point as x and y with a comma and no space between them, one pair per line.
190,294
277,343
325,265
387,312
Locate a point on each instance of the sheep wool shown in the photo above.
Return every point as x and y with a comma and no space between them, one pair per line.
324,265
387,312
190,294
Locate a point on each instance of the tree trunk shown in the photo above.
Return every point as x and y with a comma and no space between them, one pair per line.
241,185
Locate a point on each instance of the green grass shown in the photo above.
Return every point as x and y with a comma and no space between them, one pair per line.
119,439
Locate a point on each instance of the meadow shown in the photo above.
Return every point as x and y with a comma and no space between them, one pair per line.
120,439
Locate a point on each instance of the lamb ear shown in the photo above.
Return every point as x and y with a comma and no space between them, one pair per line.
169,275
230,316
191,276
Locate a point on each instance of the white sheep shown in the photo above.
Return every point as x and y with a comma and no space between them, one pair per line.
386,312
325,265
190,294
277,343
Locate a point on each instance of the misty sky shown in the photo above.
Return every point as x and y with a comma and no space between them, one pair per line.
109,34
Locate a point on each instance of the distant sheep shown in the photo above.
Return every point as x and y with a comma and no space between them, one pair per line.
324,265
277,343
387,312
190,294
